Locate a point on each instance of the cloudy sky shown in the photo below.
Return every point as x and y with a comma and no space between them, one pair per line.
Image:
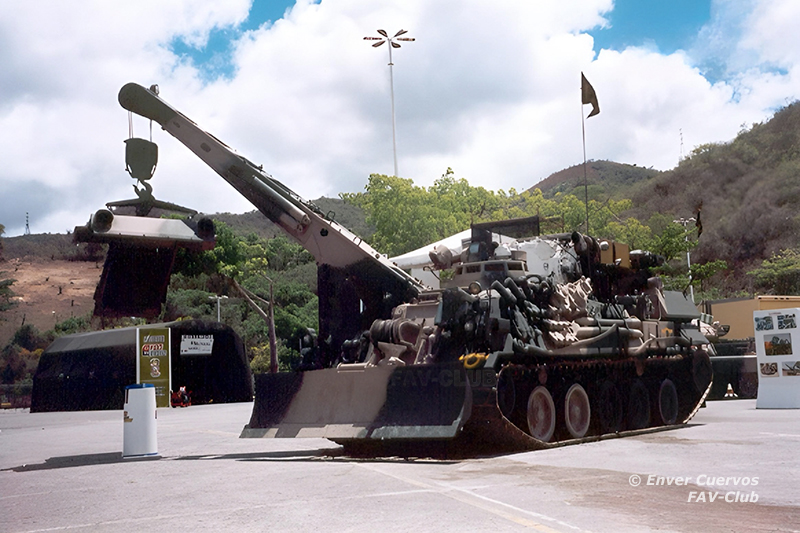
488,88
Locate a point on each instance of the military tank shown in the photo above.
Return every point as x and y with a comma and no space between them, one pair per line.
525,344
502,358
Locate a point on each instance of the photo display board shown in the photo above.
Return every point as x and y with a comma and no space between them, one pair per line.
778,349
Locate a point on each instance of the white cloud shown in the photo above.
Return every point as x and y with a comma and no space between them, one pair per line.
489,89
772,32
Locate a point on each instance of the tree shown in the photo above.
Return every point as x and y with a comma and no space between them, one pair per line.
226,258
249,260
189,303
631,232
288,359
18,364
672,241
780,274
75,324
405,216
6,293
530,203
465,204
703,272
30,338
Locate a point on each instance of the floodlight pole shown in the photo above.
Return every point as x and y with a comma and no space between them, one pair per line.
685,222
391,93
218,298
392,44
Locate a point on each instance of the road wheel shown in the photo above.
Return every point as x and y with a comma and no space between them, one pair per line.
608,407
577,411
638,406
506,393
701,370
668,402
541,414
747,385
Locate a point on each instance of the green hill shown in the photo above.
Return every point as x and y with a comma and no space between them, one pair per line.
604,179
747,191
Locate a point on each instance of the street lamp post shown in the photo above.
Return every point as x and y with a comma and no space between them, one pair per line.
218,298
685,222
392,44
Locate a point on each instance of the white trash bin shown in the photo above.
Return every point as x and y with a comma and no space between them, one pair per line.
140,415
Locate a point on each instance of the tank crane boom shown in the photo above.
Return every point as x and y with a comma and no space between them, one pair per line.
328,241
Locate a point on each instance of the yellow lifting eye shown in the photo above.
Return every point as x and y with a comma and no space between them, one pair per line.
473,360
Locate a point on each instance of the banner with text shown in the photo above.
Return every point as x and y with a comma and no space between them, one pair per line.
197,344
153,361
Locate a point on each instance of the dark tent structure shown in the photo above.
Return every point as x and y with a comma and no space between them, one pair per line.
89,371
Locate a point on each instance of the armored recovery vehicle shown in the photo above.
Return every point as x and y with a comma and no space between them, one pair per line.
517,350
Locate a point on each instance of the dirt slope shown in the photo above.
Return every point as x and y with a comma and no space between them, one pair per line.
48,291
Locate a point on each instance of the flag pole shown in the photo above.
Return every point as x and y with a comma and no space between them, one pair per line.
588,96
585,178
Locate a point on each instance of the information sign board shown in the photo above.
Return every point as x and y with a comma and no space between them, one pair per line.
153,361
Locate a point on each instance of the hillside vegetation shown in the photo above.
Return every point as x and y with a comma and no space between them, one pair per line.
747,192
604,179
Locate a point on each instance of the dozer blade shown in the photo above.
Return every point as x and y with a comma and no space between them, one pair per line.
355,402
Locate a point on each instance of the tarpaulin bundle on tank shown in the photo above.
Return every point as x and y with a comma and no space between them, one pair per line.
89,371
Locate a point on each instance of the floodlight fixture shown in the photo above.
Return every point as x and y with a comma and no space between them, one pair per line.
392,44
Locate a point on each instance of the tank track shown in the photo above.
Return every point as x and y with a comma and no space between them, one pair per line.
499,419
585,399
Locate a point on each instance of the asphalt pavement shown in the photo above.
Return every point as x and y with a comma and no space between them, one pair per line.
733,468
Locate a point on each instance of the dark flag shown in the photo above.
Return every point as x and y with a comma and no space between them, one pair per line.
588,96
699,225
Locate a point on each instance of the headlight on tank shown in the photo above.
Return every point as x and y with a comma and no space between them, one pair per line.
474,288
